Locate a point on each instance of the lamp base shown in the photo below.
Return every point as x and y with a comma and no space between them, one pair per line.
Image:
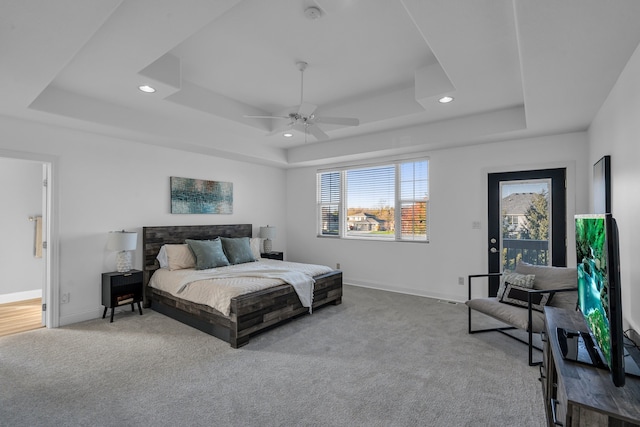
267,246
123,261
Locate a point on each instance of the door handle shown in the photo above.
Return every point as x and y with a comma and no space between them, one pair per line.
493,250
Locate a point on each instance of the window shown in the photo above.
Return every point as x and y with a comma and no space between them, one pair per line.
383,202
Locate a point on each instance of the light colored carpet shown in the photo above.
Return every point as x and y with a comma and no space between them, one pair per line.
378,359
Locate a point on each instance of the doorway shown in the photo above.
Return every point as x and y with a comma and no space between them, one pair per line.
526,220
28,186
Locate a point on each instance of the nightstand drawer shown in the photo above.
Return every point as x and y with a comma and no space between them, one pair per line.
125,278
273,255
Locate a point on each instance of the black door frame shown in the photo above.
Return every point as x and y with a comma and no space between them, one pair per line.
558,178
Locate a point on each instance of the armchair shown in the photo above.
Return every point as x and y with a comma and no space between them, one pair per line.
559,283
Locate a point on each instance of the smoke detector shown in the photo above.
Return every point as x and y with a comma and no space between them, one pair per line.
313,13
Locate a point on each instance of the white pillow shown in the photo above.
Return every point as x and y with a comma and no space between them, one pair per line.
179,257
162,257
255,243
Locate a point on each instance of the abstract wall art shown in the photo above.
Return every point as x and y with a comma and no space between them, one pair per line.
199,196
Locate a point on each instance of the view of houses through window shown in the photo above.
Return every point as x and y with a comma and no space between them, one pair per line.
388,202
526,228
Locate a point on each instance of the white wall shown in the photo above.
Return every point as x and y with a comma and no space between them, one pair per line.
616,132
106,184
21,195
458,194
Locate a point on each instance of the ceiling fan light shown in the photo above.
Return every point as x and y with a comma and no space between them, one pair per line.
146,88
445,99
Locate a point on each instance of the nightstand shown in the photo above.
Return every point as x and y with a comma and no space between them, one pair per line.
273,255
120,289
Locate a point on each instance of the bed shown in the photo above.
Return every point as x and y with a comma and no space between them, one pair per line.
249,313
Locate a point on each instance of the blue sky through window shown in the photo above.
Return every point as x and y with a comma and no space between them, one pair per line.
524,187
374,187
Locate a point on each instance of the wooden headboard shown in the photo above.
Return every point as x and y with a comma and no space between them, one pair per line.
154,237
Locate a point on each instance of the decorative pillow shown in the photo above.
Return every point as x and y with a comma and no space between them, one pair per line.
162,257
237,250
208,253
255,243
522,280
517,295
553,278
179,257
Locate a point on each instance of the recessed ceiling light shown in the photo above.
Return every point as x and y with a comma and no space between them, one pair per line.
287,134
445,99
313,13
147,89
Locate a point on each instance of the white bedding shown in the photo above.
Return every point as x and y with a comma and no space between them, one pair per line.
216,286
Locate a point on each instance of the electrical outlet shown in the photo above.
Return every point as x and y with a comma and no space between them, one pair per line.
338,266
461,281
65,298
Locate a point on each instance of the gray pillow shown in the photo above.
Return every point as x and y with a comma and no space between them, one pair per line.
511,278
208,253
238,250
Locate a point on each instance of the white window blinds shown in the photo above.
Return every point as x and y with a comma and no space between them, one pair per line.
383,202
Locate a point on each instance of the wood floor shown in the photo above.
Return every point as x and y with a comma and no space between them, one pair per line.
20,316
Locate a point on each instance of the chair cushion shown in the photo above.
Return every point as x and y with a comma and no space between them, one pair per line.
510,314
554,278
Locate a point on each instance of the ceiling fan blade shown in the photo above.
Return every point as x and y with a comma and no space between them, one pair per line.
266,117
317,132
345,121
306,110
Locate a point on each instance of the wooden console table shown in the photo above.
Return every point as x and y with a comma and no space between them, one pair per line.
580,395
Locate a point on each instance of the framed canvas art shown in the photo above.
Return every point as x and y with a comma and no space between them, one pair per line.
602,186
199,196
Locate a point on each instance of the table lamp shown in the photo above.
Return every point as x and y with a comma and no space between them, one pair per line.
267,233
122,242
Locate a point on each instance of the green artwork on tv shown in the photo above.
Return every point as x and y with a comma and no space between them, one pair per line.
593,285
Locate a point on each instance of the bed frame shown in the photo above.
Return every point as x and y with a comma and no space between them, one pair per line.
250,313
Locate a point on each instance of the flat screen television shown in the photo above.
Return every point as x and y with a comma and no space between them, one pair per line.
599,299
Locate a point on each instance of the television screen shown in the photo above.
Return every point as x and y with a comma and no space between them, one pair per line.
599,296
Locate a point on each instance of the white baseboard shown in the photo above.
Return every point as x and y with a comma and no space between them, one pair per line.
20,296
402,290
81,317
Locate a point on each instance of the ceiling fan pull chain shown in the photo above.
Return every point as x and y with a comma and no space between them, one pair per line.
302,66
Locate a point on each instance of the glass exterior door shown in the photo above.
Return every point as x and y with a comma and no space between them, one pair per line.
526,220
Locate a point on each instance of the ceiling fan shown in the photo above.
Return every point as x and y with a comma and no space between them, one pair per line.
304,120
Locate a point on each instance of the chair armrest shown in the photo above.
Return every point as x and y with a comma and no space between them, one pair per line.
552,292
474,276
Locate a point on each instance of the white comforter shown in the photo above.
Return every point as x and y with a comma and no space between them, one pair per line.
216,286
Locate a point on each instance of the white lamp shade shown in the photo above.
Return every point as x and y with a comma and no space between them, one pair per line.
122,241
268,232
